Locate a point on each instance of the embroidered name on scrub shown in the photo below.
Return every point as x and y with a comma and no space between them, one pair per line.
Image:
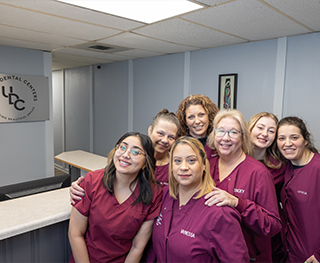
240,191
187,233
302,192
159,220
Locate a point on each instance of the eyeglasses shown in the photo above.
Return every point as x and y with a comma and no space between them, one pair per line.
122,148
233,134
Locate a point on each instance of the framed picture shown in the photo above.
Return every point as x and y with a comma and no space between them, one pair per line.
228,91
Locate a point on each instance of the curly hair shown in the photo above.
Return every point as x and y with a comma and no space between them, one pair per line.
210,107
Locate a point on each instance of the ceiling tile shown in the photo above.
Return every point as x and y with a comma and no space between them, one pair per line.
146,43
32,36
135,53
52,24
62,60
306,12
184,32
249,19
26,44
90,54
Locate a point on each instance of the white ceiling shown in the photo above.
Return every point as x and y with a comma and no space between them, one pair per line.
63,29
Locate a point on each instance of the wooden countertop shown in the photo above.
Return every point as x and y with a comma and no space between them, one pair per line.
21,215
83,160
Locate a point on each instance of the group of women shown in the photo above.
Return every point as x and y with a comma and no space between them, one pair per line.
227,182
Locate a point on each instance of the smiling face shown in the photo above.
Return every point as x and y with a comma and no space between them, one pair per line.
197,121
225,145
163,136
264,132
186,167
291,144
125,164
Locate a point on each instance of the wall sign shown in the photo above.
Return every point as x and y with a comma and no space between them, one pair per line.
23,98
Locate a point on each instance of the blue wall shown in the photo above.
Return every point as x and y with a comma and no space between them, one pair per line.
302,87
276,75
26,147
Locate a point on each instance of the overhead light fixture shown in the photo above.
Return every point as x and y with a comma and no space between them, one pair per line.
147,11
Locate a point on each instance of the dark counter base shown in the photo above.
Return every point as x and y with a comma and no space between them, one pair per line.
48,244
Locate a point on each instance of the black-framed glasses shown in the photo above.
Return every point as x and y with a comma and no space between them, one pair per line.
233,134
134,153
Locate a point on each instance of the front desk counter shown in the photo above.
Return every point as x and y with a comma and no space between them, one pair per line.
81,162
35,228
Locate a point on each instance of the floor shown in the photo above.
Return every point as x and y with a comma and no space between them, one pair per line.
58,172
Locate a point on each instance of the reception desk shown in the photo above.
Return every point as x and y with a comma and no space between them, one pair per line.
35,228
81,162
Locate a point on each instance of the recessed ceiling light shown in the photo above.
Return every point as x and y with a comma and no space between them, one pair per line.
147,11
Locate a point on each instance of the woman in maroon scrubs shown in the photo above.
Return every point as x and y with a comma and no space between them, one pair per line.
196,114
243,183
163,133
187,230
113,221
263,129
300,193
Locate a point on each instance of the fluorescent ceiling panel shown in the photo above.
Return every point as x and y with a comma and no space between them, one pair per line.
147,11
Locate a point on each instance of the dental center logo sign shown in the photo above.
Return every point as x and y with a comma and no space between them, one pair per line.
23,98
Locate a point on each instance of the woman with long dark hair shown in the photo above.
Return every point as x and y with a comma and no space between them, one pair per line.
113,220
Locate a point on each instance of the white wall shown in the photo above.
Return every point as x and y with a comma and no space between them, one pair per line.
26,151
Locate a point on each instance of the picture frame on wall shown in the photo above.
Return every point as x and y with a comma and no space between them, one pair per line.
227,97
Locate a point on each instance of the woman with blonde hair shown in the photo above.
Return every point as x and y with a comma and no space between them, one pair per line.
206,234
243,183
263,129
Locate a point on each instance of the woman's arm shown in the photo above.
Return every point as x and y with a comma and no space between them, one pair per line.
77,228
76,191
139,242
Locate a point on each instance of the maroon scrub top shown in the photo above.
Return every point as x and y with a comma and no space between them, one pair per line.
300,198
197,233
112,226
253,184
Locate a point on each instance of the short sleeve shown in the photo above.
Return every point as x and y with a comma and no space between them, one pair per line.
83,205
155,206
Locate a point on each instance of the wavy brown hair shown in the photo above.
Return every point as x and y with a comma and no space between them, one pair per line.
202,100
